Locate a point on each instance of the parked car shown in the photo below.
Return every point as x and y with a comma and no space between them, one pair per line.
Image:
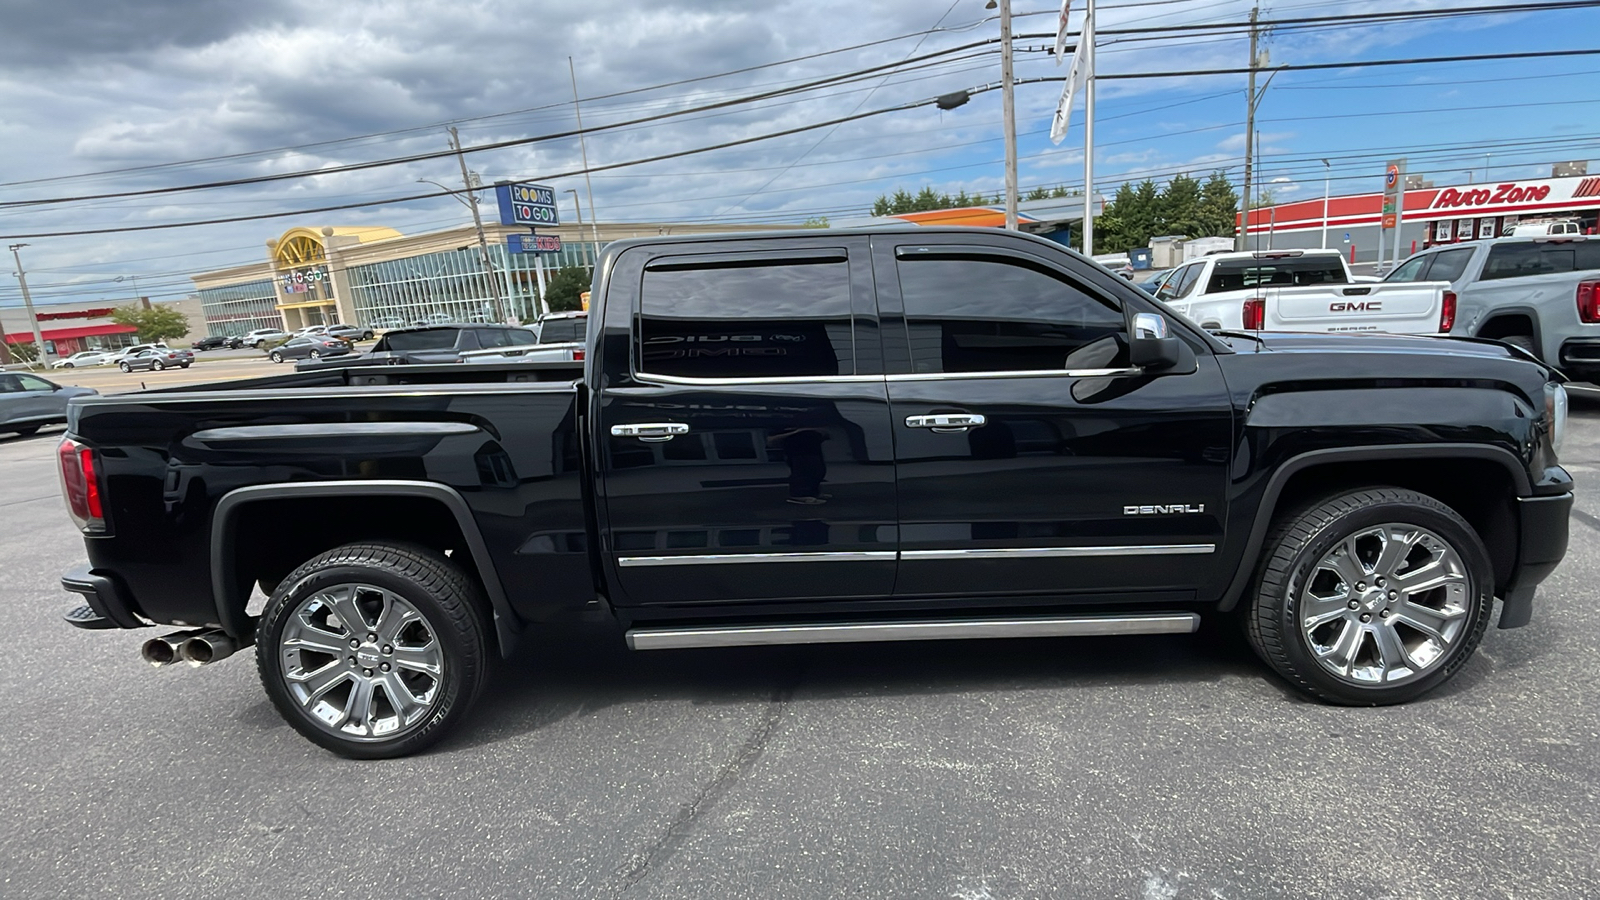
430,344
385,322
1300,290
28,402
350,333
218,342
83,359
1151,282
156,359
311,346
1547,227
1540,293
558,337
117,356
262,336
1036,448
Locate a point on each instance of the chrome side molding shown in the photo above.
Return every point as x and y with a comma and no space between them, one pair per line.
928,630
1047,552
712,559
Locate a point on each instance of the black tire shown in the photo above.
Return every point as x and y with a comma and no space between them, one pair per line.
275,356
125,367
1296,547
451,605
24,430
184,365
1522,342
157,366
316,354
67,365
366,335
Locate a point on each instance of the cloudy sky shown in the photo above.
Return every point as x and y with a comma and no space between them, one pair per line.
109,96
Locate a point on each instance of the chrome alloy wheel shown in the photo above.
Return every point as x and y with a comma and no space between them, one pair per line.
1385,605
362,662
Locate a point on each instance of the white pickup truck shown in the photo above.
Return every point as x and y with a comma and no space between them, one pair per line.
1301,290
559,337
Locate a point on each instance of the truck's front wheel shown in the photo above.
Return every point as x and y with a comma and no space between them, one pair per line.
373,650
1374,597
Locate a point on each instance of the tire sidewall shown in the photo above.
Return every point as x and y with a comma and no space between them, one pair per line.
456,694
1460,537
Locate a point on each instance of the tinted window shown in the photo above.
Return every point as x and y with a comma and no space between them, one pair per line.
984,314
1169,288
1449,264
1238,274
431,339
556,331
30,383
1540,258
9,384
747,319
1190,276
1410,270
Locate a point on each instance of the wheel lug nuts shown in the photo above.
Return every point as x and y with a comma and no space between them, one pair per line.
352,660
384,667
1354,605
371,637
387,648
1393,595
1383,614
1366,617
1361,585
354,643
367,672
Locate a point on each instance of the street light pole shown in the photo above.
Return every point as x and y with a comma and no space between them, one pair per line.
583,149
27,300
1008,106
1327,179
477,222
579,208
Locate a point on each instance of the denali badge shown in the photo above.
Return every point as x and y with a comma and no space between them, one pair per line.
1163,509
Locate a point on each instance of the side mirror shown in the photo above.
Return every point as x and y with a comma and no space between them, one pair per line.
1150,346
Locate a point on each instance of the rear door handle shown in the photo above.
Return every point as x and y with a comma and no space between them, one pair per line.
946,423
653,432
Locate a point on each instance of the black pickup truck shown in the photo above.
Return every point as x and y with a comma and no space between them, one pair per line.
820,437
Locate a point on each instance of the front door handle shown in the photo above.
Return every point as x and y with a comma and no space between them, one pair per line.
653,432
946,423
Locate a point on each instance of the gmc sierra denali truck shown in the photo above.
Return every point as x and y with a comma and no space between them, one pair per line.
822,437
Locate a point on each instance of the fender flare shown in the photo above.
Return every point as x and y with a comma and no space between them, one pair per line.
1501,312
231,614
1269,497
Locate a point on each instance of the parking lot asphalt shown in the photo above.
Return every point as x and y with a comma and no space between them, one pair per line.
1169,768
209,365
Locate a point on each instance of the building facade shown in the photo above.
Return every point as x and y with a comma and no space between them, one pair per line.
380,278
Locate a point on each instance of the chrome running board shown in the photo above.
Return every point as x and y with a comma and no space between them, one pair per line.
927,630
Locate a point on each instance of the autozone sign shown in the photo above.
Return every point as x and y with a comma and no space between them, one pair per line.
1556,190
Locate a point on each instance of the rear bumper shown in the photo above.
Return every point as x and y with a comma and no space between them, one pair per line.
104,596
1543,530
1580,358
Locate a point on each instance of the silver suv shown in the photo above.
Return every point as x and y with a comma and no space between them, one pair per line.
1540,293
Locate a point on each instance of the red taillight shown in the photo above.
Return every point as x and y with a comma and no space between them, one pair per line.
1589,301
1255,314
81,484
1447,312
577,354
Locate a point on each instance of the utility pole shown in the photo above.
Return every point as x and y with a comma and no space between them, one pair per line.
583,148
477,222
27,300
1008,106
1088,131
1327,182
1249,133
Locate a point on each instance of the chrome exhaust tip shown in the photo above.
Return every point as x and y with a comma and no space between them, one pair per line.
164,651
208,647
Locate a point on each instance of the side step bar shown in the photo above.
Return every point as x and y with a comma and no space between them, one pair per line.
927,630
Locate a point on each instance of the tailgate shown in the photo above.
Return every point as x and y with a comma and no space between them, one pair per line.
1399,308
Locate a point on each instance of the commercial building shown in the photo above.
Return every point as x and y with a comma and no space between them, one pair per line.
382,278
1432,215
68,328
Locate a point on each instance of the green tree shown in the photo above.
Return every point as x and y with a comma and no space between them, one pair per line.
22,351
565,286
1180,207
157,323
1038,193
815,222
880,206
1219,207
901,202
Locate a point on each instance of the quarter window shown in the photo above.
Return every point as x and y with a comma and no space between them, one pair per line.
1410,270
1518,259
1449,264
747,318
985,314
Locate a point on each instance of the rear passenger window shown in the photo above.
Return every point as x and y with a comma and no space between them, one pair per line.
973,313
1449,264
747,318
560,331
1541,258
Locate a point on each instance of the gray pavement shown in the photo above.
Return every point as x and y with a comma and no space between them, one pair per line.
1160,767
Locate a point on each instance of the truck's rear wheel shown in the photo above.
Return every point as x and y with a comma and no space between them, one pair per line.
1521,342
373,650
1374,597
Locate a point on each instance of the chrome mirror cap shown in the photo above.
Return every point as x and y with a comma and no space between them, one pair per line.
1149,326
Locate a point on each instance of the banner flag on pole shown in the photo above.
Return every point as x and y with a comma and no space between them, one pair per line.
1061,32
1078,71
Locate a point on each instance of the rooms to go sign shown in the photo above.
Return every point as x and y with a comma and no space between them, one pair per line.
527,204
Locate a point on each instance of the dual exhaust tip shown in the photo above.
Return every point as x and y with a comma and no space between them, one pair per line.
197,648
